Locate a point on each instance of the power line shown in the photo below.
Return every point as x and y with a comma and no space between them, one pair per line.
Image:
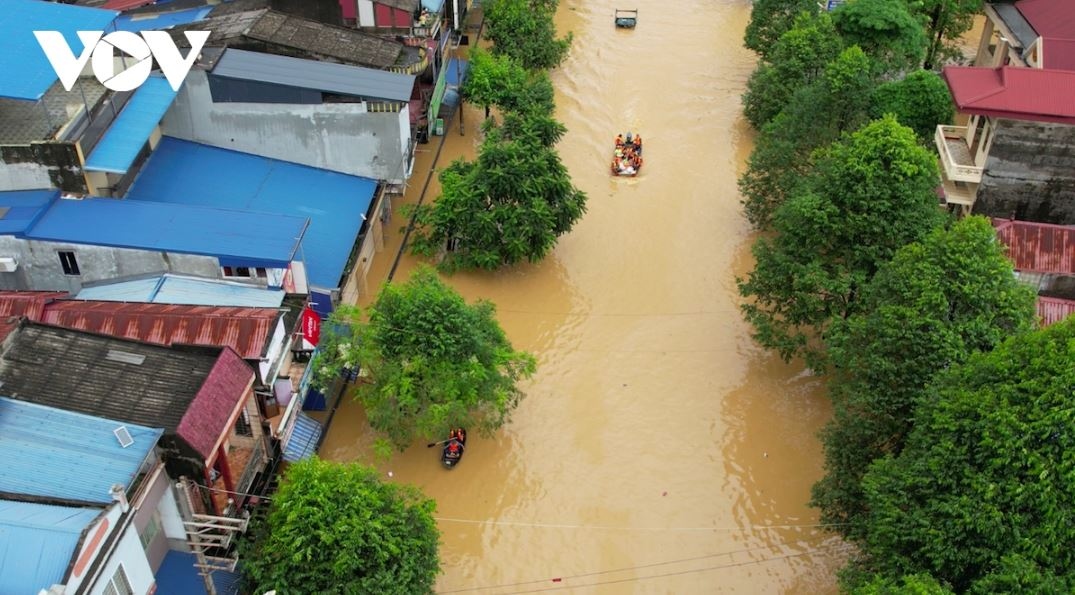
747,529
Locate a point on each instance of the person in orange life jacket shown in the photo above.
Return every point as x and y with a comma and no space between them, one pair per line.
638,142
619,140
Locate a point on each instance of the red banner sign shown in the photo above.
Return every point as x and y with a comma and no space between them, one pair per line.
311,326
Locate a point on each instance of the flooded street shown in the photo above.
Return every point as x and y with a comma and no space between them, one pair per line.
658,449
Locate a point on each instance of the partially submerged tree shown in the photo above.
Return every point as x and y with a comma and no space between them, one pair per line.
769,19
945,22
937,302
524,30
884,29
506,207
433,362
336,528
920,101
982,496
500,81
866,197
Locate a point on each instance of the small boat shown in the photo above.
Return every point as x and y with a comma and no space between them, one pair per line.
627,156
453,448
626,19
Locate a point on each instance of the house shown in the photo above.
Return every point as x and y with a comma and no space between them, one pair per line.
348,119
202,398
1014,158
86,506
50,242
345,217
1043,257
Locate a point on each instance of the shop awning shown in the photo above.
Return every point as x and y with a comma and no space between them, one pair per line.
304,438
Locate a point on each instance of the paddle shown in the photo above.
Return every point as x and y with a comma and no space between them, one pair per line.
432,444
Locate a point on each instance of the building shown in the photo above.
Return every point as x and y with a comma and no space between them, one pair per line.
51,242
1043,257
202,398
86,505
1014,158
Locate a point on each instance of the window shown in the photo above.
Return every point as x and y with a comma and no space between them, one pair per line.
68,262
153,528
244,272
119,584
242,425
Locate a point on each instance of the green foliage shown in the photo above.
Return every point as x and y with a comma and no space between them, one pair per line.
867,196
885,30
434,362
946,21
524,30
920,101
988,472
769,19
1016,574
933,305
499,80
798,58
338,529
508,206
815,116
913,584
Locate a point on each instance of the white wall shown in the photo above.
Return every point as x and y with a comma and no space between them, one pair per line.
129,553
171,521
24,176
365,13
341,137
272,357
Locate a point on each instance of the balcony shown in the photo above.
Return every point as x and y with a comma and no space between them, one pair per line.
957,159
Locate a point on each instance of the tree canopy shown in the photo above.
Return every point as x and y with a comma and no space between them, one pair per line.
946,21
506,207
798,58
769,19
867,196
524,30
433,361
500,81
884,29
982,496
921,101
937,302
335,528
816,115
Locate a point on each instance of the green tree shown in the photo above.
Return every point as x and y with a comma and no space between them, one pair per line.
885,30
914,584
524,30
867,196
769,19
816,115
920,101
988,472
500,81
433,361
934,304
335,528
509,205
798,58
946,22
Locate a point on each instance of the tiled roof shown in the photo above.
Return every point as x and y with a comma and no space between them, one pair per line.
246,330
207,417
103,376
53,453
1052,310
1017,93
1038,247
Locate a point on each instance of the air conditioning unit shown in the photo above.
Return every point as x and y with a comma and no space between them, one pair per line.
8,265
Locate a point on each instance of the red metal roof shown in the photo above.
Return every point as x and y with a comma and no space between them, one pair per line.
1058,54
1052,310
30,304
246,330
207,417
1018,93
1038,247
1050,18
126,4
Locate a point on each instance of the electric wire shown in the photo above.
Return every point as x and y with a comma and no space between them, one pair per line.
746,529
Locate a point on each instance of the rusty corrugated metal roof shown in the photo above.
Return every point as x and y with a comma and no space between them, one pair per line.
1052,310
246,330
30,304
1038,247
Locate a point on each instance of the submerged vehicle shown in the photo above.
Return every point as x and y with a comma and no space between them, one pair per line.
627,156
453,448
626,19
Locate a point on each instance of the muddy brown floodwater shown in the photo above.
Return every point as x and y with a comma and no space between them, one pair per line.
658,450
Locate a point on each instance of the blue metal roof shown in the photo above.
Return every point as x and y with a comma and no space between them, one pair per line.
136,23
27,72
23,208
304,438
237,238
456,71
334,202
129,132
178,576
37,542
54,453
188,291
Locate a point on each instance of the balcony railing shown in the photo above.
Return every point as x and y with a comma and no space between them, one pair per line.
956,156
